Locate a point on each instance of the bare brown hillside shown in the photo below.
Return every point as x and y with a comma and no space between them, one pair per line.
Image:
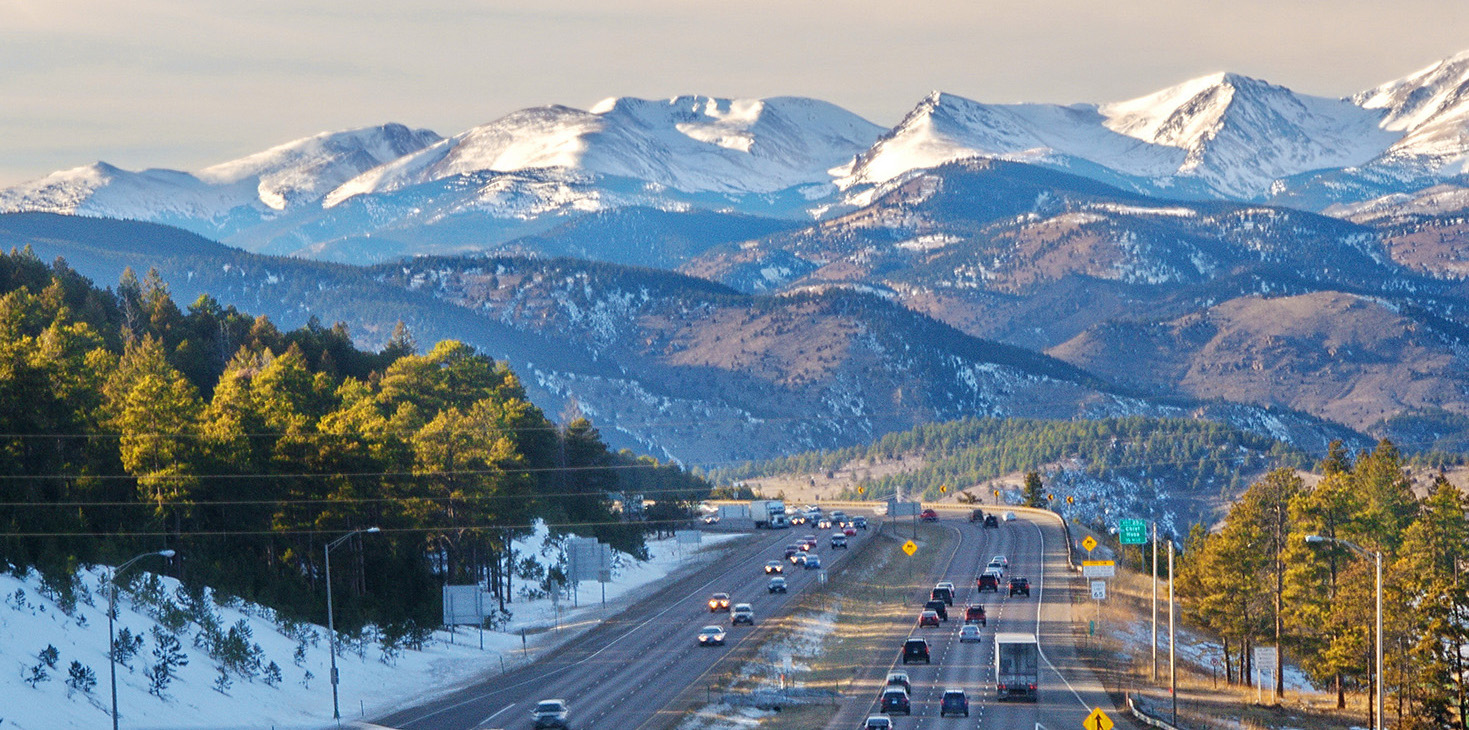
1349,359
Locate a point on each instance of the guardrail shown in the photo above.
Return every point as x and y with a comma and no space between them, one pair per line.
1145,718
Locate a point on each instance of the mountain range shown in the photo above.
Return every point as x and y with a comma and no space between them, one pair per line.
784,275
383,192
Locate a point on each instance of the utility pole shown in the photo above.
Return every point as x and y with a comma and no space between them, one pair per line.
1155,601
1172,640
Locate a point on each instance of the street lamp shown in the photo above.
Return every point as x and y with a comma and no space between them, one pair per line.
331,623
1377,556
112,610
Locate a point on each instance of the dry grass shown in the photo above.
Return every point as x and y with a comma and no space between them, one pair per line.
1205,701
872,600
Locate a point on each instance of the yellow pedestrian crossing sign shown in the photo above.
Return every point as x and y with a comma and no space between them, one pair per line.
1089,542
910,547
1098,720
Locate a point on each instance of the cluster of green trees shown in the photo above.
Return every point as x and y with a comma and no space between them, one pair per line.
127,424
968,451
1258,581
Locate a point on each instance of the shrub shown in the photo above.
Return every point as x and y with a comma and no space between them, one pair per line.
80,677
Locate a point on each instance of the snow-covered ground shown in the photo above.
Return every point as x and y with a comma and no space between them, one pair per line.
1198,651
375,678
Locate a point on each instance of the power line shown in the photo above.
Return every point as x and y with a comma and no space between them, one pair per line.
338,532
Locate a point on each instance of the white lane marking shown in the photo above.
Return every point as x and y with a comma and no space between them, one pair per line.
1040,603
487,720
593,655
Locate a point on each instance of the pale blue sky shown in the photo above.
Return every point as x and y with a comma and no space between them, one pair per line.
186,83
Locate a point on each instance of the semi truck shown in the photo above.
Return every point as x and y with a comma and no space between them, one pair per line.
1017,666
769,514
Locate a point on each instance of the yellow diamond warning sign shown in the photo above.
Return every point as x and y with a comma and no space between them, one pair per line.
1098,720
910,547
1089,542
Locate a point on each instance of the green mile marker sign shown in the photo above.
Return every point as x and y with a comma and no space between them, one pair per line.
1133,532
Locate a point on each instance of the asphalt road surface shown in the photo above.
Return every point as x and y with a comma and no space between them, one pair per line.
619,674
1036,548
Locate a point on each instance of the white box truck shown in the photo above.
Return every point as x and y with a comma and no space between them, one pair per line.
769,514
1017,666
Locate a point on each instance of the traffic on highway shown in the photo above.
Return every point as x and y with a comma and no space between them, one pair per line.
976,648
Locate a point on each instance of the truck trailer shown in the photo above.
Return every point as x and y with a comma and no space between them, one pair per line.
769,514
1017,666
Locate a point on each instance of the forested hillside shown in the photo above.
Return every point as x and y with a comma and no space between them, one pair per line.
1258,582
965,452
128,424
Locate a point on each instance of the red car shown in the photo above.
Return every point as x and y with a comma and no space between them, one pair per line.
849,531
928,618
929,515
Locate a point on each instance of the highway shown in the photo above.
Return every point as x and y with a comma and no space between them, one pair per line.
1036,548
619,674
623,672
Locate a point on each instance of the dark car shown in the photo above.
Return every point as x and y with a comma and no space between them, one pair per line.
955,702
988,582
929,515
859,523
974,614
898,678
1020,586
550,713
976,516
991,521
915,650
792,550
742,614
839,541
774,566
942,593
720,602
812,562
777,585
894,701
937,607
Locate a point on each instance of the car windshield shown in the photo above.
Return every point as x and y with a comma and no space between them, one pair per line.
549,707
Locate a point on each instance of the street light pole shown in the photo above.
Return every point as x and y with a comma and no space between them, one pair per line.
331,622
111,610
1376,555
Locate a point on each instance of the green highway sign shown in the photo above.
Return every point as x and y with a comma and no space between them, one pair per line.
1133,532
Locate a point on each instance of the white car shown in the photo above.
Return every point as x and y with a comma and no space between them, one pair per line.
1009,516
1001,560
945,584
968,633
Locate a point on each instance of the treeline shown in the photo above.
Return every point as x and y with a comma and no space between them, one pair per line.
965,452
1258,581
129,425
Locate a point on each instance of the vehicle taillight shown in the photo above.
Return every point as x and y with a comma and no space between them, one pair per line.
1032,686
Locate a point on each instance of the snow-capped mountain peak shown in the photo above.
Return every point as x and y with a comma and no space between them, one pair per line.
1431,108
694,144
1241,133
306,169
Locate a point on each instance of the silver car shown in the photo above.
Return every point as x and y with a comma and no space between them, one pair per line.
550,713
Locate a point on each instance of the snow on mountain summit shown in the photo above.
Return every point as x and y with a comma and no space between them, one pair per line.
1431,106
292,173
1240,133
689,143
306,169
944,127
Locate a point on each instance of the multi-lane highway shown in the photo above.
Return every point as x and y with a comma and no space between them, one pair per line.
623,672
1035,546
